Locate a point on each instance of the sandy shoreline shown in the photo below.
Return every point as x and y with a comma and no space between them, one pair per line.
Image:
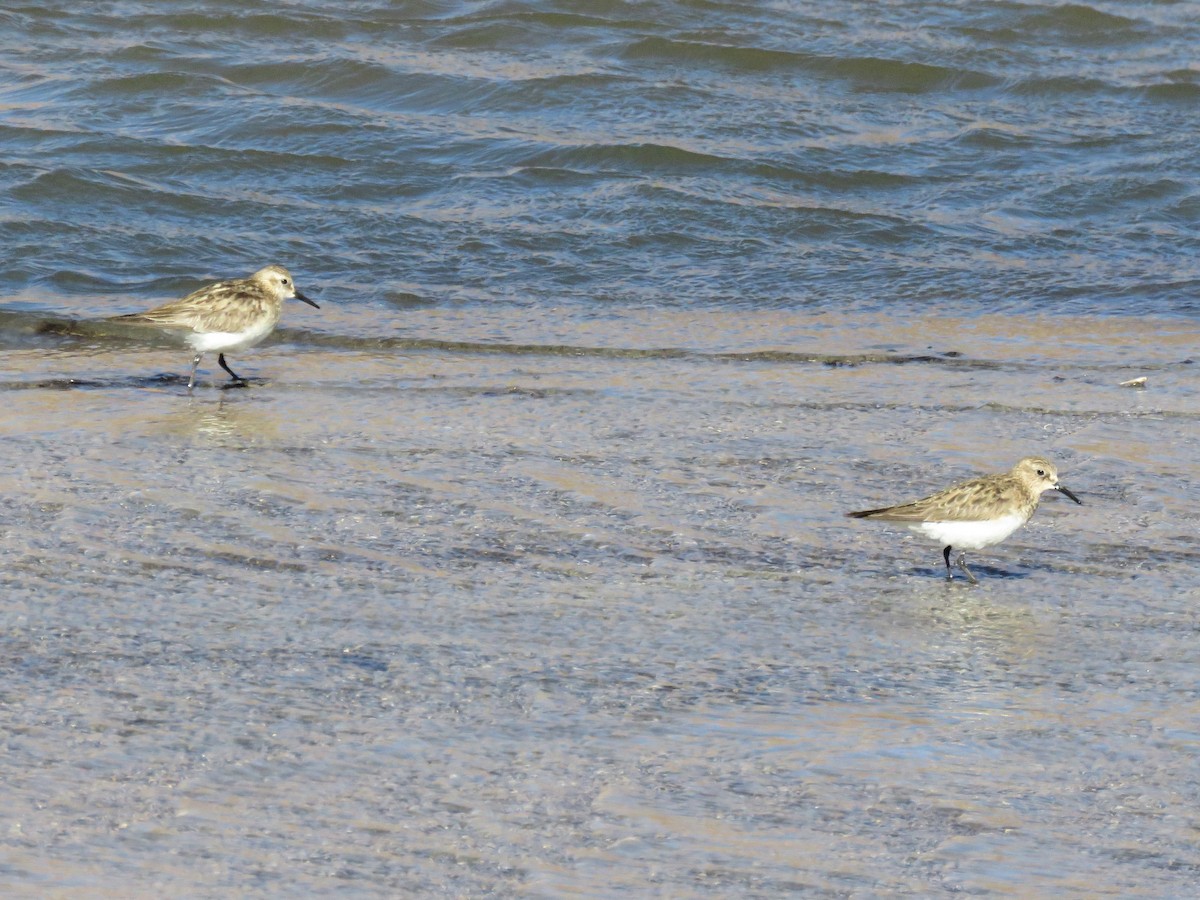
462,606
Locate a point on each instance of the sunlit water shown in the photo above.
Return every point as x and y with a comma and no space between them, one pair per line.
520,568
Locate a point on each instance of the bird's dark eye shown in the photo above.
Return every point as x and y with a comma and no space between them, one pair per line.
1042,473
283,280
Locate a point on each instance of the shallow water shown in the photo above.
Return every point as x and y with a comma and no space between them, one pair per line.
520,568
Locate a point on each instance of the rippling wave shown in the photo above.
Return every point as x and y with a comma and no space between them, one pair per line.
745,155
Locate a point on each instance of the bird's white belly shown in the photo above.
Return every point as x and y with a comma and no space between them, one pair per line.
222,341
970,535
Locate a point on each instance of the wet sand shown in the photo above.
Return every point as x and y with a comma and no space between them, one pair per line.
565,604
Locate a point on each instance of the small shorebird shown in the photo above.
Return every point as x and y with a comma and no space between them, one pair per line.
225,315
976,513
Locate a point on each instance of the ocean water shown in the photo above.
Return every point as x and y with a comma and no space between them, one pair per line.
520,567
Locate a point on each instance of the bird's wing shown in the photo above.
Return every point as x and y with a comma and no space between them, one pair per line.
971,501
223,306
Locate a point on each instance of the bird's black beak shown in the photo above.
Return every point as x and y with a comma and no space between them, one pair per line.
312,303
1061,489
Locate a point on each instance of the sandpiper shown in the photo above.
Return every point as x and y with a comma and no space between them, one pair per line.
977,513
225,315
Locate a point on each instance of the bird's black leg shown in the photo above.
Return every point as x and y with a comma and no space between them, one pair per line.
946,555
962,564
233,374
